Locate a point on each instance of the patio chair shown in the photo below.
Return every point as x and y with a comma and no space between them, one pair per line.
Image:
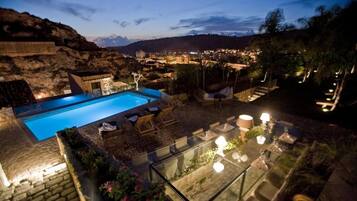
231,120
214,125
140,159
162,153
170,168
265,191
166,117
145,124
181,143
198,132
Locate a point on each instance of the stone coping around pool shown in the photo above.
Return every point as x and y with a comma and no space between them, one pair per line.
79,176
83,101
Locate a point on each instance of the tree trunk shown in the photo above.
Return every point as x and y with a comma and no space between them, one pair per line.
340,88
235,81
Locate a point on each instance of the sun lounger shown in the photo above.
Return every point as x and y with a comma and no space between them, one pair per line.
166,117
144,124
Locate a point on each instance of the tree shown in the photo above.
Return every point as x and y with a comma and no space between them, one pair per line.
273,55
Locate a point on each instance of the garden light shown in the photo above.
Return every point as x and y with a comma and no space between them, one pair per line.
218,167
261,139
265,117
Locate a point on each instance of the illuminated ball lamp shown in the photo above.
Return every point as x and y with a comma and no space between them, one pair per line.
218,166
330,90
260,139
221,143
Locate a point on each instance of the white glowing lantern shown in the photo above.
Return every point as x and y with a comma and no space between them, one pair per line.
218,167
244,158
235,156
261,139
265,117
330,90
221,143
334,84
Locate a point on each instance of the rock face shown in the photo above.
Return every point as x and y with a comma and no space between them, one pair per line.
47,74
15,26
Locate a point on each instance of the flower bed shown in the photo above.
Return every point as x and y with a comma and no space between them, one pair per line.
98,176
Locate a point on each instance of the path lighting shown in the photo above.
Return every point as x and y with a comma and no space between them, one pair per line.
265,117
325,110
328,99
218,166
221,143
330,90
260,139
334,84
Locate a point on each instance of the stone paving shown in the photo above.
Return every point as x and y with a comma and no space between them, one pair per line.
57,185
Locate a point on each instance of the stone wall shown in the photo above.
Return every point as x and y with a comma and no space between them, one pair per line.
55,184
16,49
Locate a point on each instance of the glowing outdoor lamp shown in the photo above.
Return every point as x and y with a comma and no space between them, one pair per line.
221,143
265,117
330,90
334,84
218,166
260,139
328,99
245,121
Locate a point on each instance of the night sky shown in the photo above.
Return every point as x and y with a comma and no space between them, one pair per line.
146,19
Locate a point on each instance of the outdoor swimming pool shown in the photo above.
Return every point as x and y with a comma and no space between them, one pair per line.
45,125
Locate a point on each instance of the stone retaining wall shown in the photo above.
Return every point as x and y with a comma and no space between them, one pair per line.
15,49
56,184
83,185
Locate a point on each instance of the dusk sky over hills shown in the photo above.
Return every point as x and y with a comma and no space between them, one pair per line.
146,19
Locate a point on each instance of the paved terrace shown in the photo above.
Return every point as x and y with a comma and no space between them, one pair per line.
20,156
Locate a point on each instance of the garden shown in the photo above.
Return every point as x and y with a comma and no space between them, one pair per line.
112,180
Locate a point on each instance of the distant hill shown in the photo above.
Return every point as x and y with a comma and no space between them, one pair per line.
111,41
15,26
188,43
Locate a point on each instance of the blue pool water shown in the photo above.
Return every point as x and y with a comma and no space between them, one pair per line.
45,125
51,104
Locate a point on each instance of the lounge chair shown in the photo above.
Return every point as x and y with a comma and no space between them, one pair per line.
144,124
181,143
114,130
166,117
162,153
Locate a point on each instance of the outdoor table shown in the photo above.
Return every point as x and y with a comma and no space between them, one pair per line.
287,138
226,127
208,135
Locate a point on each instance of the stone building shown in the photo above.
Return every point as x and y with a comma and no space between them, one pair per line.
98,83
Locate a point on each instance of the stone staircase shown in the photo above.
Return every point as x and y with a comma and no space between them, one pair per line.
259,92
